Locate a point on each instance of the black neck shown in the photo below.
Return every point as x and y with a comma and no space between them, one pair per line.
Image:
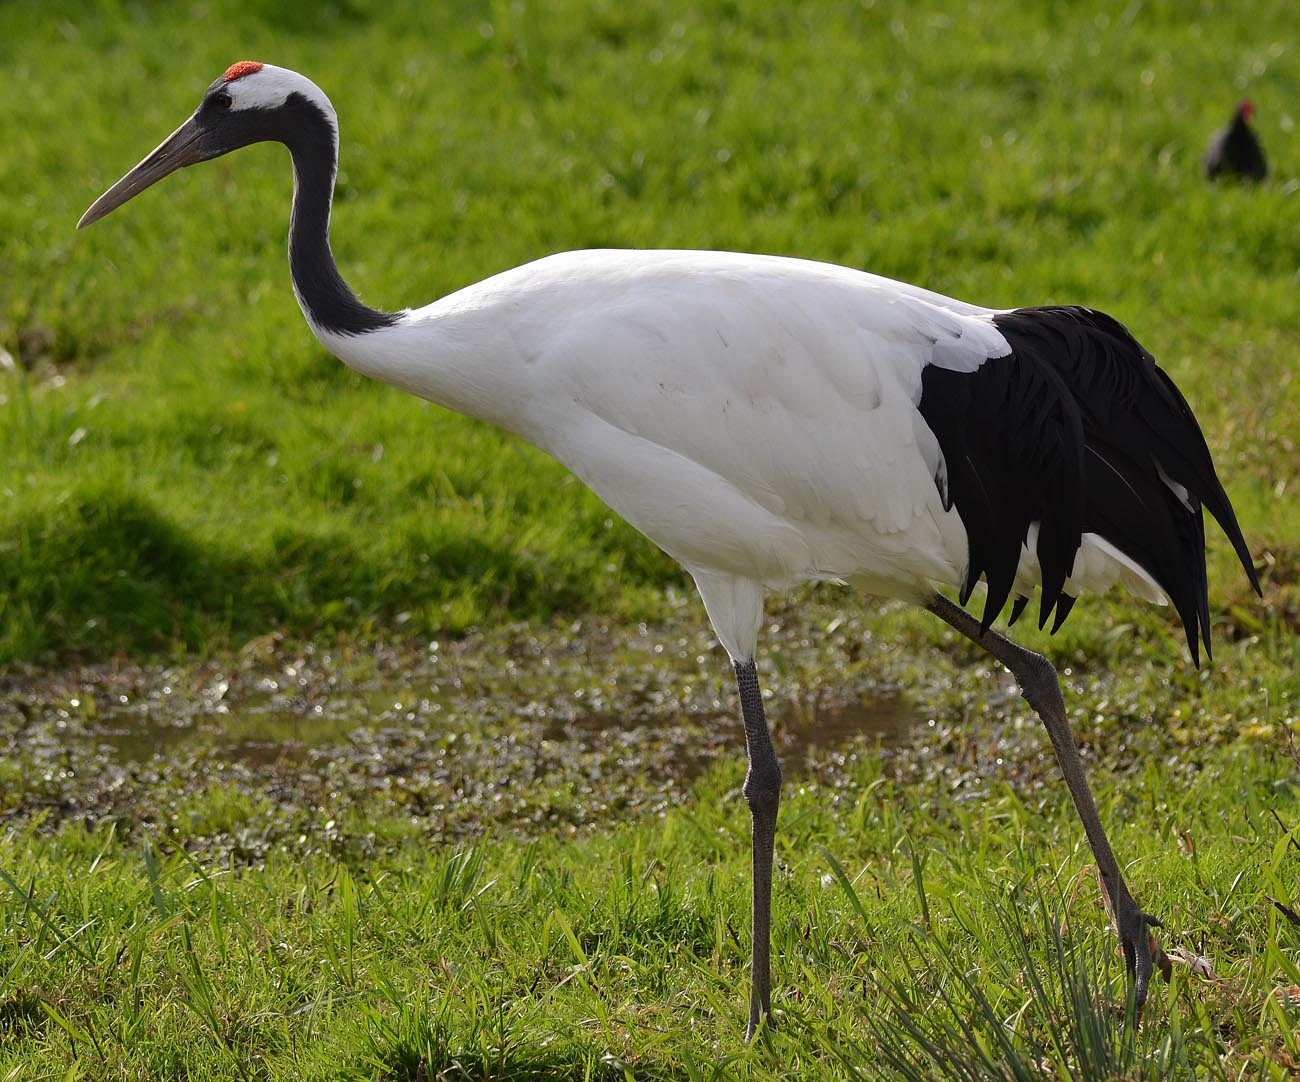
330,304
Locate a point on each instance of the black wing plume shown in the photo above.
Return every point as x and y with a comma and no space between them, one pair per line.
1077,429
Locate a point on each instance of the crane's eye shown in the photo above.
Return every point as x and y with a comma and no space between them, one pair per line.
222,100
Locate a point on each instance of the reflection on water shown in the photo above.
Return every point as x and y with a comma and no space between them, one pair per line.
820,724
257,733
267,731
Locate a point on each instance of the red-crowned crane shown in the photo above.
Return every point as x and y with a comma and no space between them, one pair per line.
1235,150
768,421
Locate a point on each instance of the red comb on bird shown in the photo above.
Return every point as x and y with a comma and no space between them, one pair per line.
239,70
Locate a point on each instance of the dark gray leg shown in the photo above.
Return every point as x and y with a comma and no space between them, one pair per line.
763,795
1042,690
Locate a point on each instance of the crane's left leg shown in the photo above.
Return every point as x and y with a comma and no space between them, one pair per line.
1042,690
763,795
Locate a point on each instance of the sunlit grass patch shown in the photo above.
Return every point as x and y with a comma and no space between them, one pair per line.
925,936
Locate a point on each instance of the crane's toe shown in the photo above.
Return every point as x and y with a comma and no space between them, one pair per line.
1142,951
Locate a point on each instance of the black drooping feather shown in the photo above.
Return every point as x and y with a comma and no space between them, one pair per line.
1012,440
1235,150
1077,429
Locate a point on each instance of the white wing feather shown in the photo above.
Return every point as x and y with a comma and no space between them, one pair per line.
788,387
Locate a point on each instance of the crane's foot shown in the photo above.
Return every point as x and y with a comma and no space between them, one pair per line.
759,1024
1142,951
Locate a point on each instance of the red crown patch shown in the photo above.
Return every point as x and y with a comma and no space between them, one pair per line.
239,70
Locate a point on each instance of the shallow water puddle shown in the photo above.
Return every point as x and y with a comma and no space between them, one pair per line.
529,731
256,735
827,725
265,730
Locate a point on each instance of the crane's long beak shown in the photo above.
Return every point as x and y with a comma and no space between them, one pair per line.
179,149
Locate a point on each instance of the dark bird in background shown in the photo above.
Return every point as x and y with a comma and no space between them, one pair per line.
1235,151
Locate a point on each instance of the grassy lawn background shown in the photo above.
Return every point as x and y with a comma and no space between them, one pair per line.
186,465
187,473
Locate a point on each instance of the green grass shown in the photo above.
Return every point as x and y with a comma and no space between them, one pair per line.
912,928
187,472
427,892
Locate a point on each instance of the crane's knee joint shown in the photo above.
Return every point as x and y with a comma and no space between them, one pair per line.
1037,679
762,790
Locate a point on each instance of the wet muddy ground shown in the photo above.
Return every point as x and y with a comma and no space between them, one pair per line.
512,728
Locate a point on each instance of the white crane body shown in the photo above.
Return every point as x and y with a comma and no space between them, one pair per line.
755,416
769,421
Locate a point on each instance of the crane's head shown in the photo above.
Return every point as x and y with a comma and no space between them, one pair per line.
1246,110
250,103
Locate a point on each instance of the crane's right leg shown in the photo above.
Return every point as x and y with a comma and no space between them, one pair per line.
763,795
1042,690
